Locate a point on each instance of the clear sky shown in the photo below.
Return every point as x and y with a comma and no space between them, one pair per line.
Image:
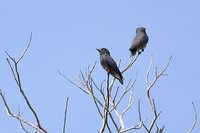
65,36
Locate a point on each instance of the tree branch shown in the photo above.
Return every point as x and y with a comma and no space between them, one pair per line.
25,50
106,107
18,117
17,78
132,61
149,86
65,115
195,119
21,124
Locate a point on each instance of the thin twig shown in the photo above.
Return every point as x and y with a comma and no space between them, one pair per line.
140,117
149,86
135,127
65,115
25,50
130,63
116,92
157,75
132,128
120,119
128,88
73,83
195,119
26,99
21,124
13,72
115,124
153,122
106,107
129,104
99,89
82,76
95,102
17,78
19,118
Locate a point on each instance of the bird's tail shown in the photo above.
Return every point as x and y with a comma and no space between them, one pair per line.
119,77
121,80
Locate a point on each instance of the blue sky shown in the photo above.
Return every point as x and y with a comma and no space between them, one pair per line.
65,36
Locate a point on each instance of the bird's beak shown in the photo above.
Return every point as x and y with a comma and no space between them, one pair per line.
97,49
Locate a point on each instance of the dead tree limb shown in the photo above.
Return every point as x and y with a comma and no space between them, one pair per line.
149,87
18,117
17,78
89,86
106,107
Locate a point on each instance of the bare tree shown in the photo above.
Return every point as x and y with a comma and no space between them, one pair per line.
13,64
106,97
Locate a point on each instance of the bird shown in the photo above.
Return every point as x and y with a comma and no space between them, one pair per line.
139,42
109,64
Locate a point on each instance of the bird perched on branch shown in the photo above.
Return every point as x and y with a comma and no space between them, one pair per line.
139,42
109,64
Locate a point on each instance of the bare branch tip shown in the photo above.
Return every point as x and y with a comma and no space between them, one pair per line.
65,114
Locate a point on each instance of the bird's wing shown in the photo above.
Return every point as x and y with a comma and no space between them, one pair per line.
135,44
144,40
110,66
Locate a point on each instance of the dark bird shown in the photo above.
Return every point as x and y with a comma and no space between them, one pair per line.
139,42
109,64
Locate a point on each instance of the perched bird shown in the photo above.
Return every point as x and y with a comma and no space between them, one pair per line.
139,42
109,64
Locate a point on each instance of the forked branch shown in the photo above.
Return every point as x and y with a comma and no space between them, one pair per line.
17,78
19,116
149,86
